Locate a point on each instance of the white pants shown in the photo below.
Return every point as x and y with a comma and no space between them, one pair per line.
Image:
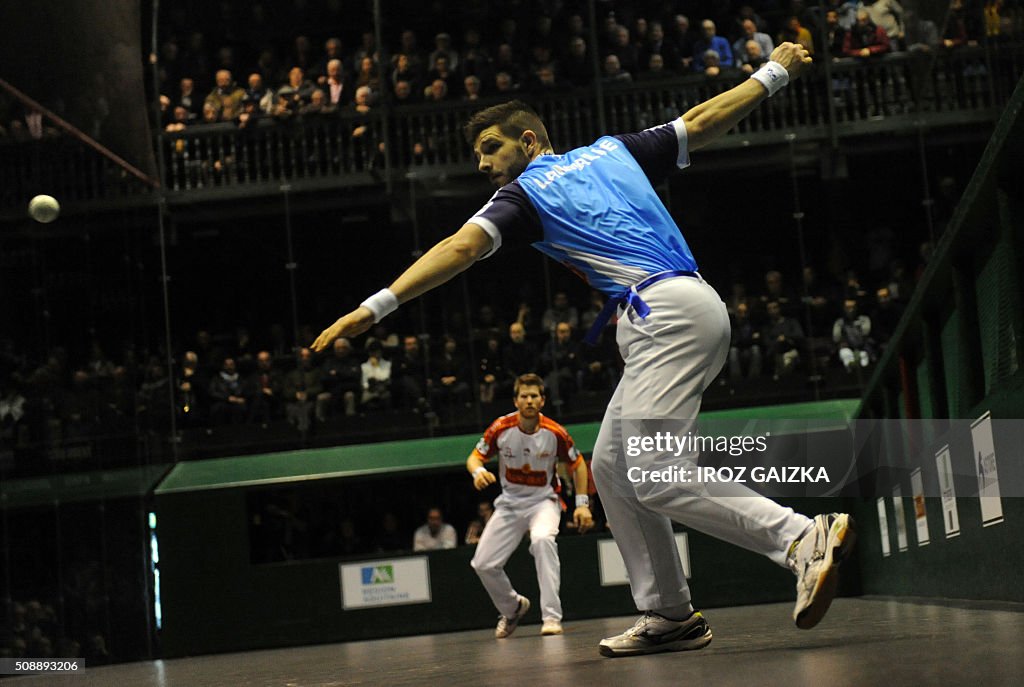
671,358
502,535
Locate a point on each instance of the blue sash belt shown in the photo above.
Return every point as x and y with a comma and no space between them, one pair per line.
630,297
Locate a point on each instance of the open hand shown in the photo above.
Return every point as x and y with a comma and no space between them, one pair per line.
352,324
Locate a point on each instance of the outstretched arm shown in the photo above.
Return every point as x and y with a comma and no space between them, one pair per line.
439,264
712,118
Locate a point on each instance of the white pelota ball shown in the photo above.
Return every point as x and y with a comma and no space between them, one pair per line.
43,209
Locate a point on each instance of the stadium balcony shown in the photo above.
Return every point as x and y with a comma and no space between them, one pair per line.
896,95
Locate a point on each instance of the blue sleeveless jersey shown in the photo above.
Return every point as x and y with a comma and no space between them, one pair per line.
601,217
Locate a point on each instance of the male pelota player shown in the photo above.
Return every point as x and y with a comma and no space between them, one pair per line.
595,209
528,446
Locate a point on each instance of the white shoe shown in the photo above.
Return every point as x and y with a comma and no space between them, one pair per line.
815,559
507,626
551,627
653,633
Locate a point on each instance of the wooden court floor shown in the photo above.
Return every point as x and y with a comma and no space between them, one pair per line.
862,641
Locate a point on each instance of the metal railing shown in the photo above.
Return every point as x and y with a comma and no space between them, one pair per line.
851,96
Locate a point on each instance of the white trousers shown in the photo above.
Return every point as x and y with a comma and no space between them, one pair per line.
671,358
502,535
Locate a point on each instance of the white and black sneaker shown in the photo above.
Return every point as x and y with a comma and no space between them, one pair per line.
652,633
815,559
507,626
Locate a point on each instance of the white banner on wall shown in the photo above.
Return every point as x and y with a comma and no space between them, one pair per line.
392,582
950,517
613,570
883,526
920,512
985,467
901,518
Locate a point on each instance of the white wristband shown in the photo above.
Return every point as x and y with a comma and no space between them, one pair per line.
773,76
381,304
582,500
478,471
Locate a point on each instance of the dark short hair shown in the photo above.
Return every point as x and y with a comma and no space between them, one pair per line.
529,379
513,117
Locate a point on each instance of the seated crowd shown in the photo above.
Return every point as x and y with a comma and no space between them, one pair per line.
261,76
232,380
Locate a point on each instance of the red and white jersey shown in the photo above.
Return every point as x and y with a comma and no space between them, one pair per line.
527,461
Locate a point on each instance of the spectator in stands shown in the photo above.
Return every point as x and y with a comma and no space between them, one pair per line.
656,44
409,375
258,92
404,93
846,12
484,511
597,363
559,363
362,135
851,334
192,387
776,290
266,387
710,41
435,535
333,50
507,61
519,355
318,104
545,80
624,49
341,378
750,33
560,311
782,338
471,88
450,376
187,99
745,347
368,74
226,92
683,40
443,48
302,54
865,38
334,84
576,65
376,378
835,34
78,407
211,113
389,538
503,84
296,92
494,378
655,70
920,34
409,46
794,32
228,404
752,58
436,92
820,299
179,120
888,15
885,317
404,71
301,390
